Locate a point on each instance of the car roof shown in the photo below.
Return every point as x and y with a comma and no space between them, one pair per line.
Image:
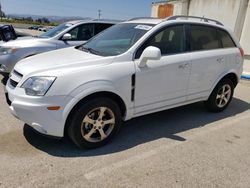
174,19
74,22
149,20
5,25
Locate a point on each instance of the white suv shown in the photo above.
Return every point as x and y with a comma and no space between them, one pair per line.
134,68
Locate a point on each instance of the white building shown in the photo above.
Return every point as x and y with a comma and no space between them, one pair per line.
234,14
1,12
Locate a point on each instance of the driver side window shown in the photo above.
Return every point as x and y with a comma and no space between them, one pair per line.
171,40
82,32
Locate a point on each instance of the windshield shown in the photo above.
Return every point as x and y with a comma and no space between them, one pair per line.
117,39
56,30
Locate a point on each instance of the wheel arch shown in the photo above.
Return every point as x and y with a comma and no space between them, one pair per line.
111,95
230,75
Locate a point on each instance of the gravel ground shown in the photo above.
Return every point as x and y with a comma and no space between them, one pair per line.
30,32
182,147
24,28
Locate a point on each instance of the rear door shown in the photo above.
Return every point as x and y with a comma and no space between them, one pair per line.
208,59
232,54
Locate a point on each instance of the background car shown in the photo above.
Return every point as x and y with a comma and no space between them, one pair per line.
7,33
44,29
34,27
71,33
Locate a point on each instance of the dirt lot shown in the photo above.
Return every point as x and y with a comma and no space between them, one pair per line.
31,32
182,147
24,28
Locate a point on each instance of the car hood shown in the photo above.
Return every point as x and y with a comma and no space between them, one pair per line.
59,61
23,42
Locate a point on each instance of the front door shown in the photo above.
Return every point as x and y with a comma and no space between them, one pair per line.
163,82
80,34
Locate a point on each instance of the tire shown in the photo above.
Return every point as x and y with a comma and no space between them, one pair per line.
221,96
5,80
95,123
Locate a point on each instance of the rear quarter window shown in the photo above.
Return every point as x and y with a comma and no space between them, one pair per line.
226,39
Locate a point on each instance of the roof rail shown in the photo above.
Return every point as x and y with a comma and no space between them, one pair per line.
138,18
107,20
195,17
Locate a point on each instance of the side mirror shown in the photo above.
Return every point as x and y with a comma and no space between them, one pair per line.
150,53
67,36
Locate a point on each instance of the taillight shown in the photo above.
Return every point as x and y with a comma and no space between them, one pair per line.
242,52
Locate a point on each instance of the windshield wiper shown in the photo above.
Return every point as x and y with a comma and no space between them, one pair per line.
91,50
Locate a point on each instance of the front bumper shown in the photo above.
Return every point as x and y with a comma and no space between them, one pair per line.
33,110
7,63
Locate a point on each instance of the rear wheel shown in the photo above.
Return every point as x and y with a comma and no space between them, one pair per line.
95,123
221,96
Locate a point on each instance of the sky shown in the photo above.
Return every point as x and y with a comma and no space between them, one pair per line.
111,9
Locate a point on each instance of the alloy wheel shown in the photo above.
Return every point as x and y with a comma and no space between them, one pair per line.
98,124
223,95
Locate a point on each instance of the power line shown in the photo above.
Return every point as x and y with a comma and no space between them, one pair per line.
89,9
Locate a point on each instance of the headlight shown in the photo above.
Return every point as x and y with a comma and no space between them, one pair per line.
38,86
5,51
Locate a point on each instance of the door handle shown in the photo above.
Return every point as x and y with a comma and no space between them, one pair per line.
184,66
220,60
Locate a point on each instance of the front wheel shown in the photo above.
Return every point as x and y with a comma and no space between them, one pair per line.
221,96
95,123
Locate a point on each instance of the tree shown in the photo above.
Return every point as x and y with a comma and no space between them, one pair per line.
39,20
29,19
45,20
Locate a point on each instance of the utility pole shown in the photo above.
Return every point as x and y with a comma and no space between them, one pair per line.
99,14
1,14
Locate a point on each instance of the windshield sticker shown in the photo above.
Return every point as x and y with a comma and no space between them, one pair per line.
143,27
68,24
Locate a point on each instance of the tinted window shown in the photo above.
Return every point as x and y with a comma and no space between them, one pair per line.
56,30
203,38
170,41
226,40
100,27
82,32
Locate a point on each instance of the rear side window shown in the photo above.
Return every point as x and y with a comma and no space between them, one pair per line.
226,39
203,38
100,27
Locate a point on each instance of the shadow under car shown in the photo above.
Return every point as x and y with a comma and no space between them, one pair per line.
165,124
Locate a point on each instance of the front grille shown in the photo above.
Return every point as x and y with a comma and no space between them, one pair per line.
17,73
15,78
13,83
